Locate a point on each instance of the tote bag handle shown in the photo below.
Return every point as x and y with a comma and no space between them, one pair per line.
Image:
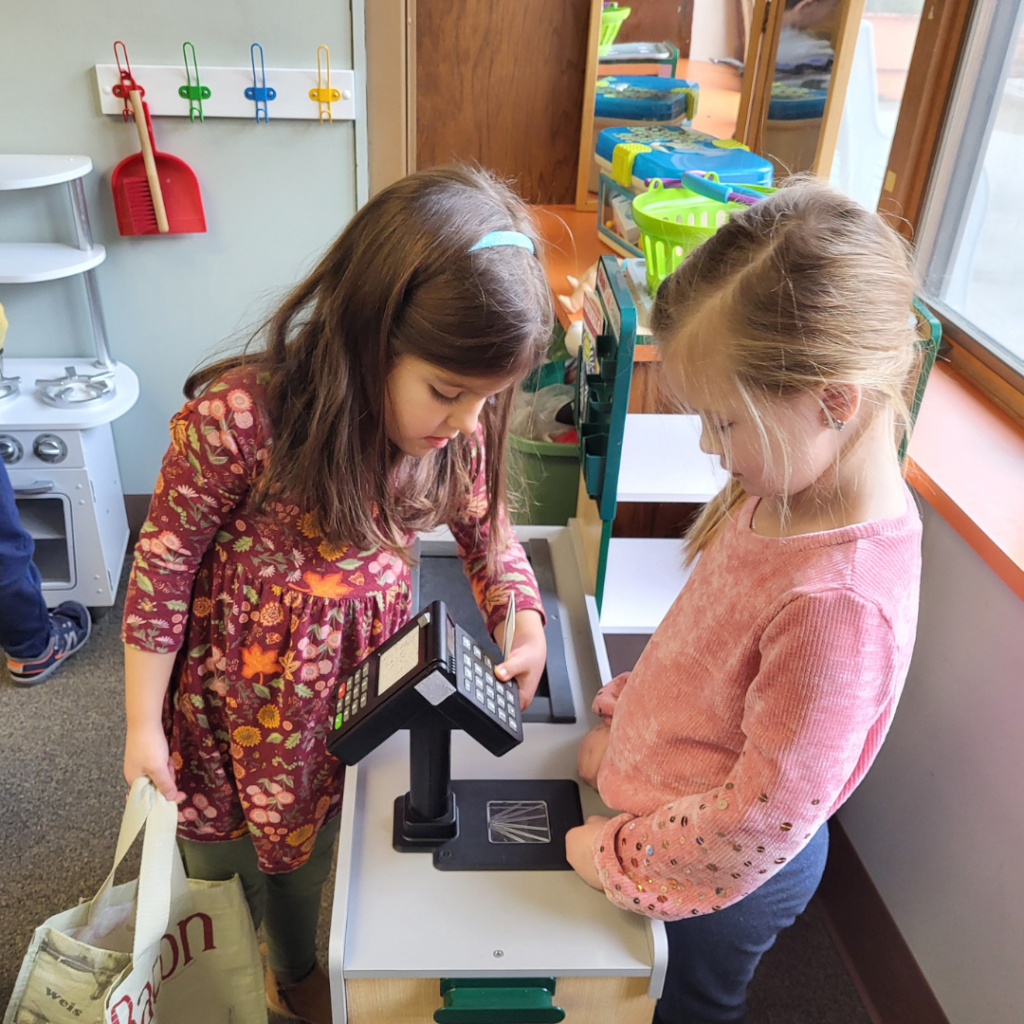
161,872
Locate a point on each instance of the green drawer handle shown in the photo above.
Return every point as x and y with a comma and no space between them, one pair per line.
498,1001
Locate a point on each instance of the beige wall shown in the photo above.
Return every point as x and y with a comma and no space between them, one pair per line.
939,820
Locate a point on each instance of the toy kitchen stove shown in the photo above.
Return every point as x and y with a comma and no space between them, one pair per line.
56,442
55,414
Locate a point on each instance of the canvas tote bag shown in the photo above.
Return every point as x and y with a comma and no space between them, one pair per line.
163,949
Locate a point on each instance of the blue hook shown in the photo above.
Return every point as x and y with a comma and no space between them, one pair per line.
257,92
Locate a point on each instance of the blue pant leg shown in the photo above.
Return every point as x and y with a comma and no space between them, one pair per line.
712,958
24,618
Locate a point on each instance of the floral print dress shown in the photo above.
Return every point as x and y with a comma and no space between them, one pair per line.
265,614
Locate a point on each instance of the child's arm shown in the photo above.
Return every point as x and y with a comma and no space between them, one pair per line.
146,676
512,574
591,753
215,450
815,716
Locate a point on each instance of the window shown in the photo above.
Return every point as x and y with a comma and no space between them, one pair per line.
970,240
885,44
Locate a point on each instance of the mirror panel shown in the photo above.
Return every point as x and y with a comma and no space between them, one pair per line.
784,102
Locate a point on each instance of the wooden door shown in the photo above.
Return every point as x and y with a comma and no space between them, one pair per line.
501,84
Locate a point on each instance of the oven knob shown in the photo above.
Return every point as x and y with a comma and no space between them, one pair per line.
10,449
50,448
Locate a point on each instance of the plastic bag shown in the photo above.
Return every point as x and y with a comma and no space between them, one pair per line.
533,413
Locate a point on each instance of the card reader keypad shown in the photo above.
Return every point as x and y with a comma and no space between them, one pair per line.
478,682
352,696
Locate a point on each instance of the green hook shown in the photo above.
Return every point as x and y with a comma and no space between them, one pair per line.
195,94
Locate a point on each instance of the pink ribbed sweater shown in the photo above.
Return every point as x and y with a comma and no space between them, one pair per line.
755,709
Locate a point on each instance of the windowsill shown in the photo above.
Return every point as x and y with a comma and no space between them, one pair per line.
966,458
967,461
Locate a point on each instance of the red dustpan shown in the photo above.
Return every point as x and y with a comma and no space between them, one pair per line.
155,193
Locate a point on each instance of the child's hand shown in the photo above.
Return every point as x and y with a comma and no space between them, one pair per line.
579,844
529,653
591,753
608,696
146,753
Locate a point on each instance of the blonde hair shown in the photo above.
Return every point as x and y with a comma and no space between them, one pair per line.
811,289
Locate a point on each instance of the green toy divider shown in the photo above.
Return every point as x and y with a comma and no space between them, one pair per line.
498,1001
929,337
602,395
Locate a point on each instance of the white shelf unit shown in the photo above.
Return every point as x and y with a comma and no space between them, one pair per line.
27,262
662,460
643,576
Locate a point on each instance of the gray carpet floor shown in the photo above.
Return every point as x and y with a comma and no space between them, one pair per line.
63,794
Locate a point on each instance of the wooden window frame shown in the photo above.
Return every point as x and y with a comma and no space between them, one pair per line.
927,101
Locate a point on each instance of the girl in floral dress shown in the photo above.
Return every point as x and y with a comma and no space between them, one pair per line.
276,551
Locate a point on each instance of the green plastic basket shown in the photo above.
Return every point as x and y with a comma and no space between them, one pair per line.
611,21
673,222
545,476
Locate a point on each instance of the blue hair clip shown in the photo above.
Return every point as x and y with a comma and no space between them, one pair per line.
493,238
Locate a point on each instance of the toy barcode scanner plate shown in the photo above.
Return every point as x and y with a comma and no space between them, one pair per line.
432,677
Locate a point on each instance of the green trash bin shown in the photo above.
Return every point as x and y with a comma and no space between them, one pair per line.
544,480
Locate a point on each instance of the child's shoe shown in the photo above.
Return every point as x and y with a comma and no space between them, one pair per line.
70,626
309,999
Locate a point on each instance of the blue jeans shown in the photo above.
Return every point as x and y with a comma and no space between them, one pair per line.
24,618
712,958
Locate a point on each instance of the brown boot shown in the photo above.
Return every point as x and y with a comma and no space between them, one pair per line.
308,1000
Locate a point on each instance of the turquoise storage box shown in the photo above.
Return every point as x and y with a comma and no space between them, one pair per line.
625,98
666,151
795,102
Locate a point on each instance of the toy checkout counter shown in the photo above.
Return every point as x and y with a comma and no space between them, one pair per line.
453,899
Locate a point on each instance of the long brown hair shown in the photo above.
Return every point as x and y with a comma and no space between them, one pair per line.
813,290
400,279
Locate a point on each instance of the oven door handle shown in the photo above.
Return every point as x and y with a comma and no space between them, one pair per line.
39,487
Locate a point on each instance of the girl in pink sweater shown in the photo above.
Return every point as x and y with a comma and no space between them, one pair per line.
764,695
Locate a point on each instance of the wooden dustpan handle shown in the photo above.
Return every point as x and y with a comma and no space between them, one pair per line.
150,161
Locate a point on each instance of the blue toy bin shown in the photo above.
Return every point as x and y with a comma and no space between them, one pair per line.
625,98
670,151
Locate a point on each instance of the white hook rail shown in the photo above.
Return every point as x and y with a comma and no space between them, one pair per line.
227,92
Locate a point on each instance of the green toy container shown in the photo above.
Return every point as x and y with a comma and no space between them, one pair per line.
611,21
544,477
673,222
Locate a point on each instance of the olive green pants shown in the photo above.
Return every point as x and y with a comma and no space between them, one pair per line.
287,903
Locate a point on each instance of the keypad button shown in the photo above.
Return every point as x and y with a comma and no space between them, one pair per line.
491,707
502,715
362,701
479,696
465,643
490,691
501,698
476,651
488,662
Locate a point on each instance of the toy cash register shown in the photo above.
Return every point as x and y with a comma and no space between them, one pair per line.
432,677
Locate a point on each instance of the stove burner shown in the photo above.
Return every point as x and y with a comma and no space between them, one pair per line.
77,389
9,386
